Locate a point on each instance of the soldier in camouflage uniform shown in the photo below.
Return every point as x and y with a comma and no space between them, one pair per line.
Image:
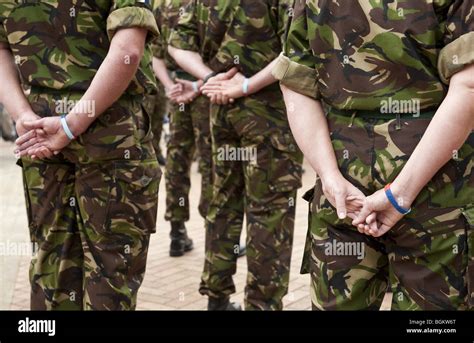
363,60
248,35
189,131
91,207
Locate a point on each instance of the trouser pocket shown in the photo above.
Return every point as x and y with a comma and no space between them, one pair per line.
119,196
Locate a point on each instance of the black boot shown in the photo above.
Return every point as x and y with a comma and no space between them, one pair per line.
180,242
222,304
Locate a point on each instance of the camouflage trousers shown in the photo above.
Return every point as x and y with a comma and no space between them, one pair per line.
427,259
158,107
189,131
257,172
91,210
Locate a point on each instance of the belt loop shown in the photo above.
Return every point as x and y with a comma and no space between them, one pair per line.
353,118
399,121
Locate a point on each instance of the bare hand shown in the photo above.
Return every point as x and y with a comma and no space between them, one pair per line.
344,196
174,91
377,216
188,92
224,88
44,138
30,136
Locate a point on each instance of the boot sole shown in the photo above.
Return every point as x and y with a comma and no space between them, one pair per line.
176,253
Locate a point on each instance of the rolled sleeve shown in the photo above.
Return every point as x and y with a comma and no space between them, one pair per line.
132,16
297,77
295,67
458,51
185,34
455,56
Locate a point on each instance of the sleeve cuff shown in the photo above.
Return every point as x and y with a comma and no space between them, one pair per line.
297,77
128,17
183,42
455,56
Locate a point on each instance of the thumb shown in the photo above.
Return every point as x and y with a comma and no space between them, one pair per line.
341,205
34,124
231,73
364,213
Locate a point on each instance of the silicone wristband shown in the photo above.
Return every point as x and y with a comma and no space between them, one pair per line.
66,128
393,201
245,86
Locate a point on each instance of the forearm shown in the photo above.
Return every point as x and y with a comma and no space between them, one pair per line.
112,79
263,78
11,93
446,133
310,129
162,73
191,62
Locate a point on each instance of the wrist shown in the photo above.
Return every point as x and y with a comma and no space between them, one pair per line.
401,194
27,115
330,175
76,126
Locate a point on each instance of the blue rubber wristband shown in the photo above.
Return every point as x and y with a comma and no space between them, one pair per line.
245,86
66,128
394,202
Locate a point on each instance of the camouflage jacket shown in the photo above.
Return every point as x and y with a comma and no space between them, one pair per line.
356,54
167,14
243,33
60,45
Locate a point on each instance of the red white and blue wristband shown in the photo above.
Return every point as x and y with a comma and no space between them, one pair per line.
394,202
66,128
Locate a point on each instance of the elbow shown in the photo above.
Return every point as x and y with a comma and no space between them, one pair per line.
131,54
464,79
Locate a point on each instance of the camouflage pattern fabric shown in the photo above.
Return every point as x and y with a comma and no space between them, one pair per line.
189,131
157,106
61,44
189,127
356,54
91,211
247,34
426,260
255,158
263,188
167,14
